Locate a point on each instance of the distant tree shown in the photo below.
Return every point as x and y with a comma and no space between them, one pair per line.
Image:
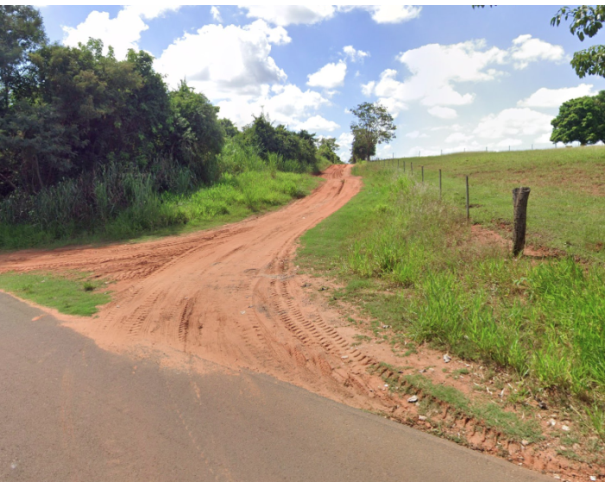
363,147
228,127
581,119
374,125
327,148
21,32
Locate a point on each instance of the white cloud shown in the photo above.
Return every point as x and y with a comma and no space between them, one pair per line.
347,111
284,15
526,49
122,32
216,14
330,76
543,139
509,142
242,65
513,122
284,104
345,142
416,135
443,112
353,54
547,98
458,137
317,123
393,14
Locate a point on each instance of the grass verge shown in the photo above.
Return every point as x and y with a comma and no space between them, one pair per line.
73,294
408,259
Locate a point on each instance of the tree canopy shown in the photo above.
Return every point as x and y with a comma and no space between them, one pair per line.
374,126
580,120
586,21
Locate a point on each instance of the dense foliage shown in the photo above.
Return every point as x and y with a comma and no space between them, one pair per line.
85,136
580,119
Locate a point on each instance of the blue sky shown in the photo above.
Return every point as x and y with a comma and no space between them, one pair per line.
454,78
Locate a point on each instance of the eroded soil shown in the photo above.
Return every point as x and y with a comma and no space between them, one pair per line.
233,297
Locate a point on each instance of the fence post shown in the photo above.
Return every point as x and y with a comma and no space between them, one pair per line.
422,170
520,197
468,212
439,183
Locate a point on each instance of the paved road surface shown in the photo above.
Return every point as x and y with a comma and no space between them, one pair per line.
71,411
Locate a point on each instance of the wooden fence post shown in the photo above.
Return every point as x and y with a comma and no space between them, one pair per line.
439,183
520,197
422,169
468,212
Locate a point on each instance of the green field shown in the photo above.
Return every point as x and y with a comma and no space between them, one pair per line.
408,259
566,207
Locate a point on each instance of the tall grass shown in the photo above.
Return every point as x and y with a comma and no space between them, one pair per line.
121,202
544,319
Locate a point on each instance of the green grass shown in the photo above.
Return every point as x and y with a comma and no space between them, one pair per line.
231,199
408,260
74,294
567,196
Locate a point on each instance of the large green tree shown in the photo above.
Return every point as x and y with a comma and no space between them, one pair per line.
580,120
21,32
374,125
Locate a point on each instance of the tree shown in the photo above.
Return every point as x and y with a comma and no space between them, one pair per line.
586,22
327,149
374,126
228,127
581,119
21,32
362,150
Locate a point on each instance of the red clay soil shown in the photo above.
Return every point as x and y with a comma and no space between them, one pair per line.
231,296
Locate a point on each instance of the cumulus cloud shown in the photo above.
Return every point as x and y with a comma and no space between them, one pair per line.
345,142
330,76
393,14
216,14
527,49
513,122
123,32
317,123
242,65
284,15
284,104
437,70
302,14
443,112
547,98
353,54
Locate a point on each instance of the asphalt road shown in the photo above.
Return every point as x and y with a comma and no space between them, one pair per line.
70,411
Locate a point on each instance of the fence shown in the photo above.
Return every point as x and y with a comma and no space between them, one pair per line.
520,197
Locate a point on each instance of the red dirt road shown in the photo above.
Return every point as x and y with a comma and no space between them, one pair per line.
228,295
232,296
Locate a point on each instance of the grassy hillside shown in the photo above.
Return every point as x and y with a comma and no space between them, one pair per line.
567,200
409,260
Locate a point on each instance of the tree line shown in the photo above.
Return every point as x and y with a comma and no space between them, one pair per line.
82,126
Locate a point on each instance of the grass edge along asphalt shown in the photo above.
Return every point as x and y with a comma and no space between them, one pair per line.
407,260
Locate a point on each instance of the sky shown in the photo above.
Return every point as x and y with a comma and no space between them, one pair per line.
454,78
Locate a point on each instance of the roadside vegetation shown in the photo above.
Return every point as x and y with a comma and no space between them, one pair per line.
95,148
409,260
73,294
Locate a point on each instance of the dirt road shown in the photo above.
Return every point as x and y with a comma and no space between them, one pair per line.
231,296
